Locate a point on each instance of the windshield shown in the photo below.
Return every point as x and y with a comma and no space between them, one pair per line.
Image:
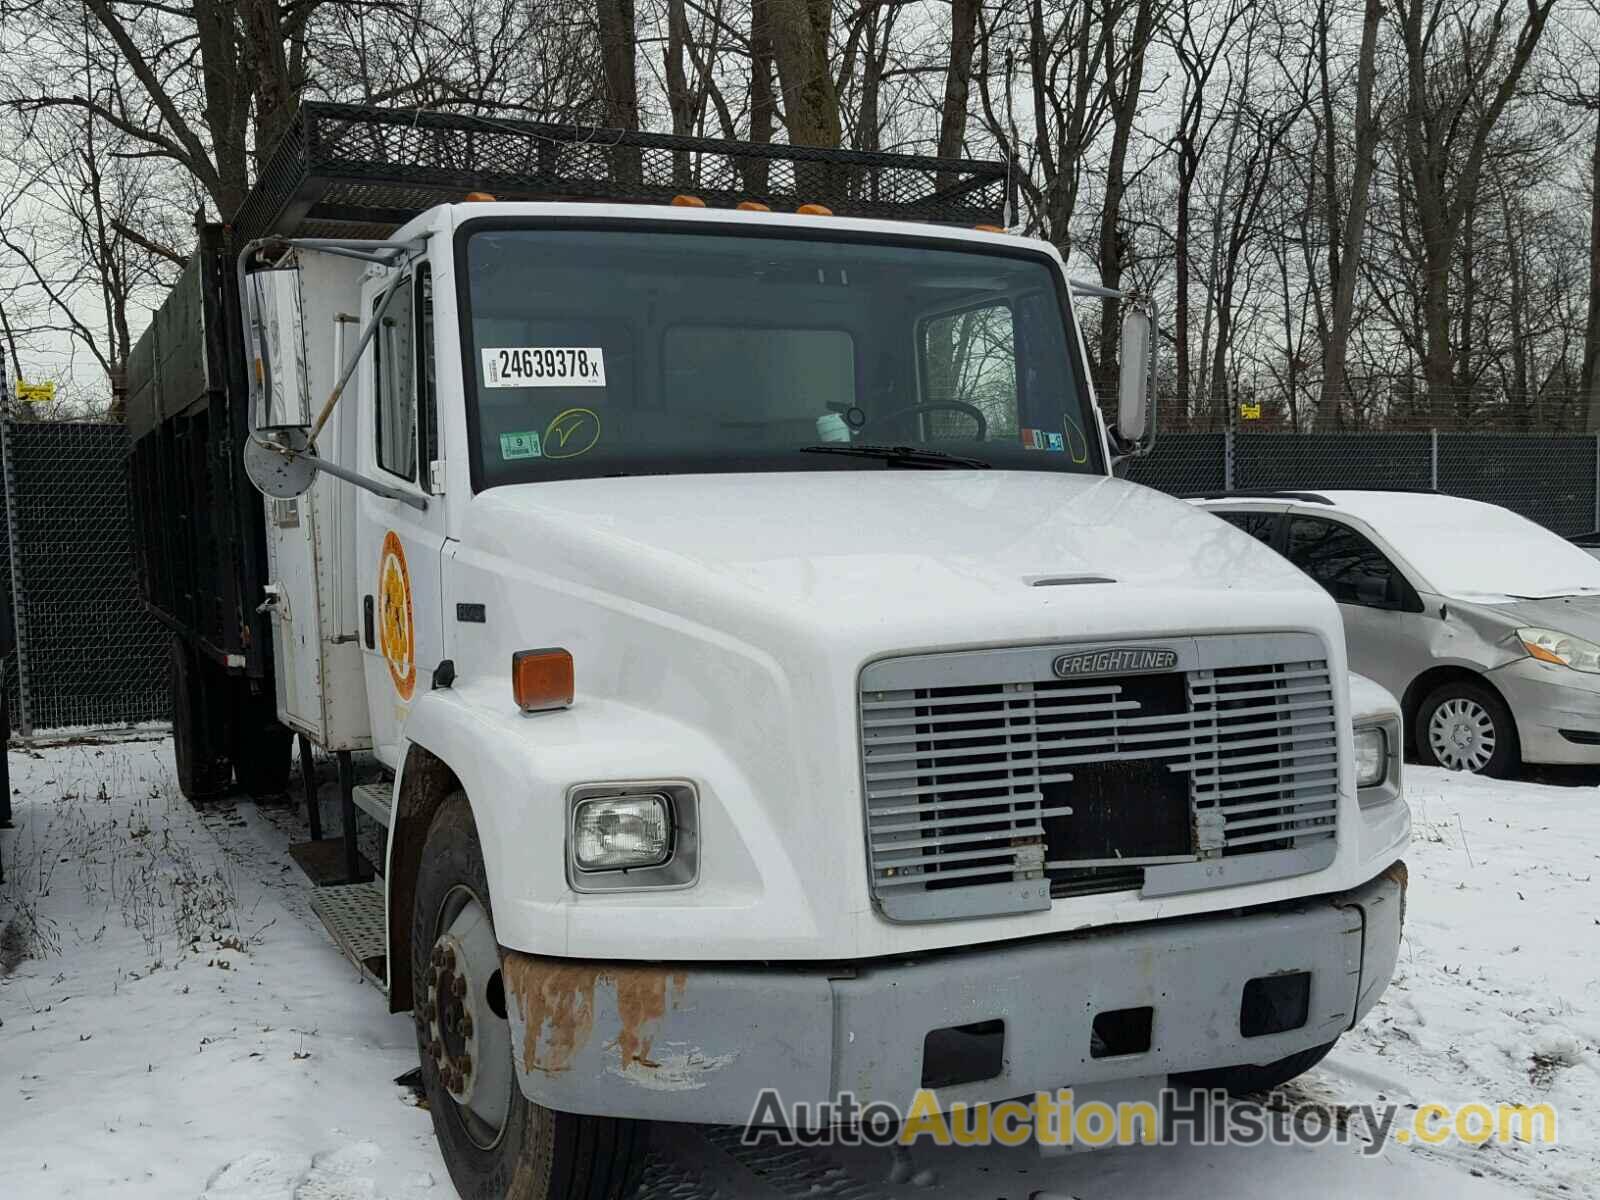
601,351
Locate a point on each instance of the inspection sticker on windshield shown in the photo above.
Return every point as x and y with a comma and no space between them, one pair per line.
544,366
520,445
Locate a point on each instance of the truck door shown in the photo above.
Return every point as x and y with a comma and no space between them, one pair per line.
398,545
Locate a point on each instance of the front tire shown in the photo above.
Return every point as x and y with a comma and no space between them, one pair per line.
1463,726
497,1144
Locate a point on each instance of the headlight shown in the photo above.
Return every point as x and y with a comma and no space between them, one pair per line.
1372,756
618,833
1561,648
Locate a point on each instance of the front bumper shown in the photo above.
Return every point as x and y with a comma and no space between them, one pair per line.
699,1043
1546,699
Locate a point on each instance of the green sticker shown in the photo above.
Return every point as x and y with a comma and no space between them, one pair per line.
520,445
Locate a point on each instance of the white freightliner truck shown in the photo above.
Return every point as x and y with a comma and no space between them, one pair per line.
773,684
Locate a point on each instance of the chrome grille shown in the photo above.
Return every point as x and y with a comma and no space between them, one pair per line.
994,785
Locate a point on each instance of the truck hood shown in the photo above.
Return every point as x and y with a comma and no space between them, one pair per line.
720,625
913,548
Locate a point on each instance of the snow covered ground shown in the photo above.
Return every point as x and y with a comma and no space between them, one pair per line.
177,1024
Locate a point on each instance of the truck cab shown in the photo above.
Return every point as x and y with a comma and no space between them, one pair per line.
776,687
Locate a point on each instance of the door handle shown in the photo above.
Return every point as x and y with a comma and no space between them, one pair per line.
367,622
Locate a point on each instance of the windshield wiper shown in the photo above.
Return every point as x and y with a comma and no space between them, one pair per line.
898,456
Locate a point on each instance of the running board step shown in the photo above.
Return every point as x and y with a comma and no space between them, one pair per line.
354,915
374,799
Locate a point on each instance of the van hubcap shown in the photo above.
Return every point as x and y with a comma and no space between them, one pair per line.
469,1039
1461,734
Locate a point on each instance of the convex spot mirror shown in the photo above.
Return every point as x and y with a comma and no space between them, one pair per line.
277,461
1133,392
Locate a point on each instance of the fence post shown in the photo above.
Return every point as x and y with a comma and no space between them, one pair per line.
1597,481
1227,460
19,605
1433,444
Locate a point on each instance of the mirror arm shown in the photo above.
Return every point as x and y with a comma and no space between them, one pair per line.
375,486
362,343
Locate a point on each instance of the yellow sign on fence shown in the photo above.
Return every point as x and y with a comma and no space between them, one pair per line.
1250,412
36,393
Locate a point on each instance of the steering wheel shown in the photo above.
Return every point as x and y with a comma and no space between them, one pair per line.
938,405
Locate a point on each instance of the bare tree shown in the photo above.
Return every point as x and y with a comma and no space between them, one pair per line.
1460,75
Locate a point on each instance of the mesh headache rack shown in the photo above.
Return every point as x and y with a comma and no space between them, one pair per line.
353,171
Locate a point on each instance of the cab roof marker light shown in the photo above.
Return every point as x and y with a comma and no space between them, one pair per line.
815,210
753,206
683,201
479,197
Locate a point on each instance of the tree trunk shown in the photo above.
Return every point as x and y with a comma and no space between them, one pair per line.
1346,264
267,60
1111,247
799,31
618,69
679,101
763,106
1590,381
957,81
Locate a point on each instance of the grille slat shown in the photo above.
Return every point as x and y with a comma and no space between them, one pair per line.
995,796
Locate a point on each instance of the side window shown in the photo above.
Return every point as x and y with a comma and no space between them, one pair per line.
396,408
1263,526
1350,567
971,358
427,409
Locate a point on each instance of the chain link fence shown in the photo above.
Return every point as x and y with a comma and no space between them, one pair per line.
87,651
1548,478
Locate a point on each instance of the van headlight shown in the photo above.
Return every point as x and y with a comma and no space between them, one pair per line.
1548,645
629,836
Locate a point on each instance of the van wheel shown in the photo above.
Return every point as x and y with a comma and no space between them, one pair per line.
199,736
1463,726
495,1141
1243,1080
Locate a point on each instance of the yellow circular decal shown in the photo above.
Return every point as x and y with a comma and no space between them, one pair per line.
571,432
396,630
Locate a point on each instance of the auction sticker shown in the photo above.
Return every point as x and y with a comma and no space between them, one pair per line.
544,366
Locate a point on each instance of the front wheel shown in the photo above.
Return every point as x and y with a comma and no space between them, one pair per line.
1463,726
497,1144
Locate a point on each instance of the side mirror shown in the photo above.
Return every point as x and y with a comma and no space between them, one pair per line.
1133,392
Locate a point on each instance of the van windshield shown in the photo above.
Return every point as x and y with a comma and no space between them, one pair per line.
603,351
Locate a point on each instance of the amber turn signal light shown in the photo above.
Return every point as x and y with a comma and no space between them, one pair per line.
542,679
688,202
752,206
478,197
815,210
